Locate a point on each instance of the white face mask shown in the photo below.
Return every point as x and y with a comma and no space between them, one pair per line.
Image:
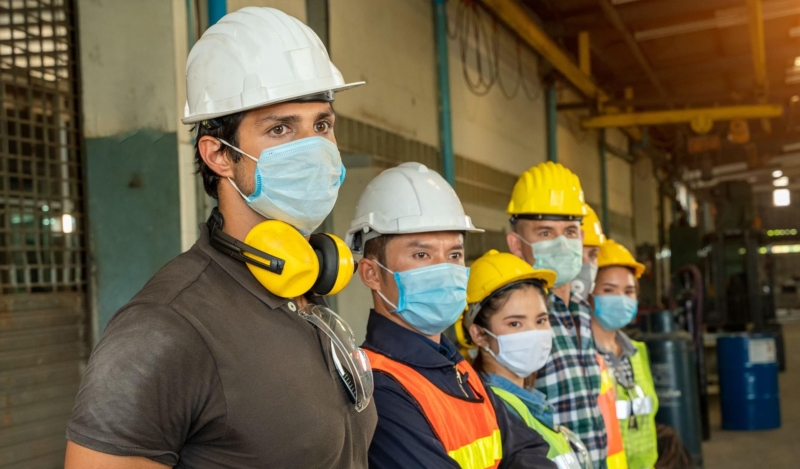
583,284
523,353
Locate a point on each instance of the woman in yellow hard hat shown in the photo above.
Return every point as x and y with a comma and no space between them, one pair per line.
506,317
615,299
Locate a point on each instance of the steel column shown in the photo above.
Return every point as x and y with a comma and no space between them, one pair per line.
603,180
443,66
216,10
552,123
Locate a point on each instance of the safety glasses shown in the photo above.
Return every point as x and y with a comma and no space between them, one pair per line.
350,360
578,446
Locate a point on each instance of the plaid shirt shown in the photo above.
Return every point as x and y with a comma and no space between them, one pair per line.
621,366
571,377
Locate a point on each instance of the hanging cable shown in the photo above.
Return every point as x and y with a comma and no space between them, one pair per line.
518,82
473,27
470,28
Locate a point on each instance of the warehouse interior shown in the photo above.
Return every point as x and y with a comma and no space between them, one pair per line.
681,119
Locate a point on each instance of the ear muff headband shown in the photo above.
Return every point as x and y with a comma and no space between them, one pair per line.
323,265
237,249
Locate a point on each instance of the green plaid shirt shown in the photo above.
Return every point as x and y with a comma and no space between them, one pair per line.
571,377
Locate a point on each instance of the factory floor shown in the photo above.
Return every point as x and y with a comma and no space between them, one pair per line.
773,449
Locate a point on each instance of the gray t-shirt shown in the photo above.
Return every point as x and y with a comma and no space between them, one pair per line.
204,368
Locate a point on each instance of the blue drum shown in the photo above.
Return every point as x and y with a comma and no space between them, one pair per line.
748,380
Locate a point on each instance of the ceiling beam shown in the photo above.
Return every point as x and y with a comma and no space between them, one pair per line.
652,13
682,115
725,18
613,16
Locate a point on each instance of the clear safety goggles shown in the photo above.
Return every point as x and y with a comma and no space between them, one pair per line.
580,451
350,360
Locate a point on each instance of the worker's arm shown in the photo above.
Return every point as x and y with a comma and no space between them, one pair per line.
79,457
403,437
150,388
522,447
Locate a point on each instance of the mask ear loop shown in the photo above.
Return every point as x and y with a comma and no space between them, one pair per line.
523,239
246,199
381,293
487,348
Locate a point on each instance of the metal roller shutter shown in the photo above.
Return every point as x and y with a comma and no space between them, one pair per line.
43,347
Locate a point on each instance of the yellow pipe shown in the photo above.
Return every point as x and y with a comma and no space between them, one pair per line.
755,12
683,115
584,53
510,13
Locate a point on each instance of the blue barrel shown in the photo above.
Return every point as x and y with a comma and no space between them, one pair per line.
748,381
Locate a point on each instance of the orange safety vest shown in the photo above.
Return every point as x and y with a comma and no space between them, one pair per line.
607,401
467,429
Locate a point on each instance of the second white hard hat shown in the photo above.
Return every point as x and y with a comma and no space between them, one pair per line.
409,198
255,57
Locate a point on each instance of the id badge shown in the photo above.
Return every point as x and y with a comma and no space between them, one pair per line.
623,409
642,405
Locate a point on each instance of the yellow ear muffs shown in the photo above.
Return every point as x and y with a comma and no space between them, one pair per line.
281,259
293,266
336,263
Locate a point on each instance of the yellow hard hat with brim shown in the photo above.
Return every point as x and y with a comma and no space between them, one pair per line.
547,190
592,229
489,274
614,254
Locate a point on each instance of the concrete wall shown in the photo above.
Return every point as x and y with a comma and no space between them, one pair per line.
296,8
130,106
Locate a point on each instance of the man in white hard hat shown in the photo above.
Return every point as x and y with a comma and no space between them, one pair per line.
433,410
206,367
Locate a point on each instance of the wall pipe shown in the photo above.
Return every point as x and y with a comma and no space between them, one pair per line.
443,65
603,180
552,123
216,10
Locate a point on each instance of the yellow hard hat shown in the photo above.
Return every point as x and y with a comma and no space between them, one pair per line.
613,254
592,229
495,270
547,189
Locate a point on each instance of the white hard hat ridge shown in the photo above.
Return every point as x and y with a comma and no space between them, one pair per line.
409,198
254,57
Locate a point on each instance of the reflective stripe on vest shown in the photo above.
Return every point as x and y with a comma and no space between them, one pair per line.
560,450
641,445
468,430
607,401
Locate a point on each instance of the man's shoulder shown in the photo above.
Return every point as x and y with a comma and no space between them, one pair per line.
152,306
177,275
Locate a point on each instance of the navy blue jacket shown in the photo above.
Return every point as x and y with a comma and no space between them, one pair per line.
403,437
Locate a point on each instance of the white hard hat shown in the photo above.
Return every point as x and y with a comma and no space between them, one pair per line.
254,57
409,198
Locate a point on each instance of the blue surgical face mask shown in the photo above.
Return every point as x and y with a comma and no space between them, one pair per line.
614,311
562,255
430,299
297,182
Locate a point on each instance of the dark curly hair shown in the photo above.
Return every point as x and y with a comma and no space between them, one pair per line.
225,128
